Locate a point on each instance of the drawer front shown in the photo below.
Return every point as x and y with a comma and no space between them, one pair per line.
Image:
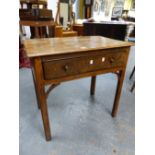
82,64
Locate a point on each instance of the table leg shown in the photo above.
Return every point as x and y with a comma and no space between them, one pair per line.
93,84
42,96
44,113
118,93
36,90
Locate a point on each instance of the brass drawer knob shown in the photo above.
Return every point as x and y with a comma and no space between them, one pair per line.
103,59
91,62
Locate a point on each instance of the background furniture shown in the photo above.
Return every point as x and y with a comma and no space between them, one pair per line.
88,8
33,4
65,14
59,32
59,60
35,15
42,29
115,30
38,33
79,29
65,17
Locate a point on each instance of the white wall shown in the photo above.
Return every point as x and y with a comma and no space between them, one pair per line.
52,4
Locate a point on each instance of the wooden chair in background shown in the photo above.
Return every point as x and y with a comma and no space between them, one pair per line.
31,4
38,32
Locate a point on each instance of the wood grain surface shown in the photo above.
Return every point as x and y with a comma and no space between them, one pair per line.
56,46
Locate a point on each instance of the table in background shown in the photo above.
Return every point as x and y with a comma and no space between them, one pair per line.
110,29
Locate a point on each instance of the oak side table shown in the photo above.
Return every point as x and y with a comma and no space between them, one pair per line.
56,60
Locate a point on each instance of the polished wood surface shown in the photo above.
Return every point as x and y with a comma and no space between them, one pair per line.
58,60
56,46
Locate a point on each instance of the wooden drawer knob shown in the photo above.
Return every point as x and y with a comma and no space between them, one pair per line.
112,60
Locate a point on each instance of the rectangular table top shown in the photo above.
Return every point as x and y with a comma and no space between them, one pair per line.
57,46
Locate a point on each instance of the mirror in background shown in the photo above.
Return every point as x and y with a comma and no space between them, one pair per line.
65,15
64,12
